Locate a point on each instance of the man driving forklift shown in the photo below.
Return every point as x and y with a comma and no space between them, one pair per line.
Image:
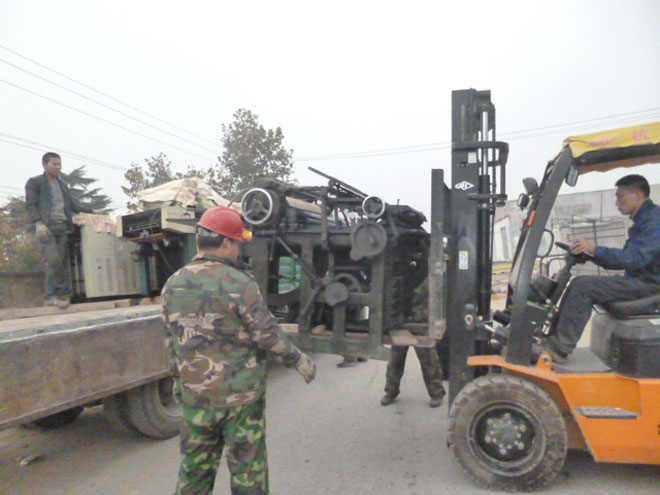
640,258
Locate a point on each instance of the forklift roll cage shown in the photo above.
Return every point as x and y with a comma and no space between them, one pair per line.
601,152
468,216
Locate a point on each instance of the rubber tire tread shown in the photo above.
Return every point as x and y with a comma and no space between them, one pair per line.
115,409
147,414
61,418
494,388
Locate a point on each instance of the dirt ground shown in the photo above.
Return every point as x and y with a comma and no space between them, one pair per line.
329,437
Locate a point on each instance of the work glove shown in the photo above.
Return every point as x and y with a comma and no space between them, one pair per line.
306,367
43,234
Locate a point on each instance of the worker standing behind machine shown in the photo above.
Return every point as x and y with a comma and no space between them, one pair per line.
431,371
216,325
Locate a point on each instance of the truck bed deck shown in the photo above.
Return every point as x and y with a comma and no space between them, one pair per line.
38,325
52,362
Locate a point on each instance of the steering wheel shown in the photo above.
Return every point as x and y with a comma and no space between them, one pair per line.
581,258
258,206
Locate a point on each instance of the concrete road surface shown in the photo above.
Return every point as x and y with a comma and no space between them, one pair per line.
331,437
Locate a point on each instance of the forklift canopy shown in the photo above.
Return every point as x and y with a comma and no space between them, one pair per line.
624,147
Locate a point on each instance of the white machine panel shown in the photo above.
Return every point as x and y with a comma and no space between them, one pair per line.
109,268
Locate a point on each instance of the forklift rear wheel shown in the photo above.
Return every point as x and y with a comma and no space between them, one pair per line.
153,410
507,433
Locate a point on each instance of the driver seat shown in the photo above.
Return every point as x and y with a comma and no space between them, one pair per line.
647,306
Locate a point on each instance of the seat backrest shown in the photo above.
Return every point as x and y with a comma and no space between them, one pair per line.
646,306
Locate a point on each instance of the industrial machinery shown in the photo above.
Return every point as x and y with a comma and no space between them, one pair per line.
360,260
133,258
102,265
164,240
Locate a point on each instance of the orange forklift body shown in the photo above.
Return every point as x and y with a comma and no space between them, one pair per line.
631,437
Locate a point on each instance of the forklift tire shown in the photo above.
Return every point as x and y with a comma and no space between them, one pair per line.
115,408
58,419
152,409
507,433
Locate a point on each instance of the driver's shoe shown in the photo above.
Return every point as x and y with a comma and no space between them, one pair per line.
557,356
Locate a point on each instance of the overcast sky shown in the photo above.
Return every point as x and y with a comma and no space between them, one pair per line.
337,77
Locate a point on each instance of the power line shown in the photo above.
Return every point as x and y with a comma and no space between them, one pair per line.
421,148
107,106
578,128
104,120
380,152
70,154
9,187
442,145
653,110
437,147
25,143
107,95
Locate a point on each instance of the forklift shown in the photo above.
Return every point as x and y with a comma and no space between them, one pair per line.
513,412
338,267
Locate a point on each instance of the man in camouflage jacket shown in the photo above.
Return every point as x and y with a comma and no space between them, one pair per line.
218,328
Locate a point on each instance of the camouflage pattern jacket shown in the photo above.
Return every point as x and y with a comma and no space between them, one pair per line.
216,324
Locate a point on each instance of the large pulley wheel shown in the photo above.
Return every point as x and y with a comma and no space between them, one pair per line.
258,206
368,239
338,291
507,433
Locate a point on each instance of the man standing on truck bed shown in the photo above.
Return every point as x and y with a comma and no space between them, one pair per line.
50,207
218,328
640,258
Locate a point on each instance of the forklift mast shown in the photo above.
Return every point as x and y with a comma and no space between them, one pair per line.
477,187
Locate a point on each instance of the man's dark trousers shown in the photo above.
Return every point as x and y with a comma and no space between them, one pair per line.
58,280
431,371
583,293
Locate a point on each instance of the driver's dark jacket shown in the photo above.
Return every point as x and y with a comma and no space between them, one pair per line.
640,256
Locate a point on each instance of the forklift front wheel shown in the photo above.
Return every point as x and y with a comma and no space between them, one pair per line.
507,433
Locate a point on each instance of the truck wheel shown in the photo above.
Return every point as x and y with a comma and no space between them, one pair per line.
152,409
59,419
507,433
115,408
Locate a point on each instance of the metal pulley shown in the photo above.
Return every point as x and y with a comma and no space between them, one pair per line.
373,207
259,206
335,293
368,239
338,291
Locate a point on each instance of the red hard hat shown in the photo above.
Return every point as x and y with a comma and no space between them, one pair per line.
225,221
